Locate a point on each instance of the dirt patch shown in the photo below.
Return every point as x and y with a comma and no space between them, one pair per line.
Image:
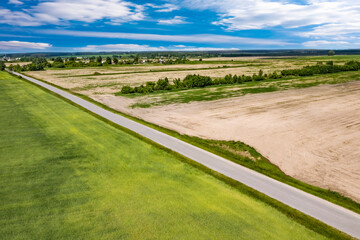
312,134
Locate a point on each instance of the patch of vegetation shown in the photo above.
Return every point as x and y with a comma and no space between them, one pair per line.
235,90
197,81
2,66
79,177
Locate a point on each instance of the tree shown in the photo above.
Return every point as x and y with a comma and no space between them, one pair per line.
136,58
261,73
115,60
331,53
2,66
59,60
99,59
108,60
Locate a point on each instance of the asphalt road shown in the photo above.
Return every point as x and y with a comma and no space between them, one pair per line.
329,213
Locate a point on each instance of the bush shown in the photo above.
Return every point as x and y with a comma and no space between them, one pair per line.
162,84
58,65
58,60
127,89
192,81
94,64
73,64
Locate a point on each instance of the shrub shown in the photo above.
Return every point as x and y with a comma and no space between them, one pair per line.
58,65
94,64
162,84
127,89
177,83
192,81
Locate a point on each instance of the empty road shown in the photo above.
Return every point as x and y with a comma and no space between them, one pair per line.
329,213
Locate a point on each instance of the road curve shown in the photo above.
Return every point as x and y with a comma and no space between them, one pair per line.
329,213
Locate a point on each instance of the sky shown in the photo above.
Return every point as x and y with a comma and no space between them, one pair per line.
163,25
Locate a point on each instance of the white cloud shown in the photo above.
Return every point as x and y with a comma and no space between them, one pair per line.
17,45
141,48
179,46
328,20
320,43
164,8
17,2
17,18
195,38
118,47
331,30
173,21
203,49
59,11
261,14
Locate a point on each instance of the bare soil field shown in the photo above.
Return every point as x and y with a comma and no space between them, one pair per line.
312,134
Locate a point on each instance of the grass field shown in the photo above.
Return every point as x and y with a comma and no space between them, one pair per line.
68,175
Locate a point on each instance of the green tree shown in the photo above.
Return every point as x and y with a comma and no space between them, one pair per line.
99,59
2,66
136,58
115,60
108,60
331,53
58,60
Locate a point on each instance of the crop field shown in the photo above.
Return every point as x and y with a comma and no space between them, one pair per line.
68,175
307,126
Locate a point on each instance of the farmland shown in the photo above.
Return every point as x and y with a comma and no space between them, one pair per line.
67,174
110,79
295,117
221,106
228,107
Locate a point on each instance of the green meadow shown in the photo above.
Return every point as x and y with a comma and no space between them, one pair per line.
65,174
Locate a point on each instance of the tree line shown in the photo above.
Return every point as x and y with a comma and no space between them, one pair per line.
40,63
198,81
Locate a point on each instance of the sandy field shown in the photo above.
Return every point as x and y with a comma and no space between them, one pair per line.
312,134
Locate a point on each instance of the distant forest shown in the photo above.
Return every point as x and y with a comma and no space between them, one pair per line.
197,54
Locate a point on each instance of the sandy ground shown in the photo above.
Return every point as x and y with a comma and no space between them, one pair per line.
312,134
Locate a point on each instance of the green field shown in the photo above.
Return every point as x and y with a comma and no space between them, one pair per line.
68,175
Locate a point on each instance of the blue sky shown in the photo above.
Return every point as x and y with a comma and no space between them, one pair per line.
134,25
